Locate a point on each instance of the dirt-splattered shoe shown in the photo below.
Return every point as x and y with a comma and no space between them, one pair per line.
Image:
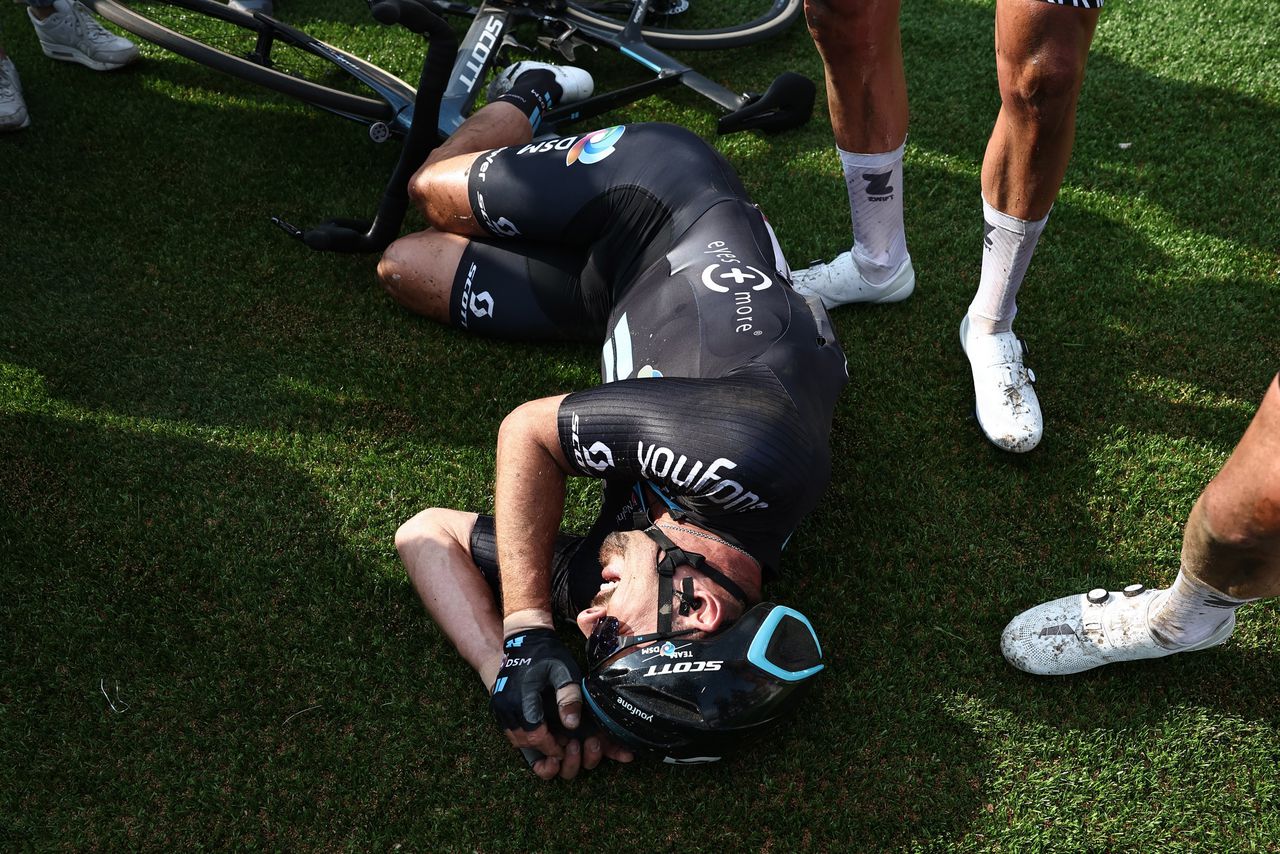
1005,399
1081,632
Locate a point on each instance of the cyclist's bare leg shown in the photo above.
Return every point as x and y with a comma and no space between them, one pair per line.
1041,50
866,86
1232,538
418,270
439,188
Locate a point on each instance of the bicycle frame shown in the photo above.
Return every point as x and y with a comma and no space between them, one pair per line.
477,54
495,19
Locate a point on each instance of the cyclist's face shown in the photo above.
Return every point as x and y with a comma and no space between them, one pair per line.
628,584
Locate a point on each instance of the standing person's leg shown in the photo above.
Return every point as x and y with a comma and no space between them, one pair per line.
1041,49
1230,556
867,96
69,32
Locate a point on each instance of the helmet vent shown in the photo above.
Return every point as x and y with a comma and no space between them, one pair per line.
793,646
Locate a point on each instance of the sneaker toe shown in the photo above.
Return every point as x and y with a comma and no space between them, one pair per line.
1047,640
1011,421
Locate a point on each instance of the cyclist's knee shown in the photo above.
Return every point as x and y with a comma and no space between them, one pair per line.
396,268
845,23
1042,88
422,189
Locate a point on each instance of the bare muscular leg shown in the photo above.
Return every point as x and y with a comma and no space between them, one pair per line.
861,52
439,188
1232,538
1041,50
417,270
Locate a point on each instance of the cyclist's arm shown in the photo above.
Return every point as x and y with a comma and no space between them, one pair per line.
529,504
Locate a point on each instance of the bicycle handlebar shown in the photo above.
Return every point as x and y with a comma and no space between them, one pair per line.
347,235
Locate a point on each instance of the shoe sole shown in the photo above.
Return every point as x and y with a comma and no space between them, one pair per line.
70,54
502,85
898,294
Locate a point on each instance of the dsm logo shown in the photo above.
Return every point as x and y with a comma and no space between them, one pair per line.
594,147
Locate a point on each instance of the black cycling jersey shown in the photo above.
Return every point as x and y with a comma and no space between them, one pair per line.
720,380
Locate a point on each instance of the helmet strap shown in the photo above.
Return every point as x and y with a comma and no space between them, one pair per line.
672,557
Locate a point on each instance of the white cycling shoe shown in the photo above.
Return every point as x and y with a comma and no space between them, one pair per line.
840,282
1005,400
575,82
1078,633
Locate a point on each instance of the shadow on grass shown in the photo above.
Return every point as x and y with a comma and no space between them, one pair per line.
183,302
262,677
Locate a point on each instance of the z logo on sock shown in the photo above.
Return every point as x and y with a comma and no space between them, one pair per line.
878,188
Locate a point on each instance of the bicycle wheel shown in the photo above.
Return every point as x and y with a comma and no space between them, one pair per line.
696,24
213,34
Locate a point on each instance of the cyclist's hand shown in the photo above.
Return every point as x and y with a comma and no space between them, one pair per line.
536,660
593,749
598,747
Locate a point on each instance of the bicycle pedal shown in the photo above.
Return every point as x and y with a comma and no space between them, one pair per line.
566,44
509,41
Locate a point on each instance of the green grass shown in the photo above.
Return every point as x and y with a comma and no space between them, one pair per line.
208,436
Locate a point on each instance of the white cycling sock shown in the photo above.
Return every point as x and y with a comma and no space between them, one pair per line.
874,182
1007,246
1191,611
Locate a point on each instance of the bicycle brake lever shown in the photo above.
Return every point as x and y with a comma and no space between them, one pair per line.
287,227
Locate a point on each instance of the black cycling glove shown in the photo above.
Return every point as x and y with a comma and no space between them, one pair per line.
535,659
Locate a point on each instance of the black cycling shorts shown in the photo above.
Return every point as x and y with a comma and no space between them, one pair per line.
575,221
528,291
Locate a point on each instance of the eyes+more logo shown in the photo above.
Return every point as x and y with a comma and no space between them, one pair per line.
735,275
730,274
740,277
594,147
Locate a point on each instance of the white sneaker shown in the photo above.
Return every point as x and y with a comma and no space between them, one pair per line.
13,110
72,34
1077,633
576,82
841,282
1006,403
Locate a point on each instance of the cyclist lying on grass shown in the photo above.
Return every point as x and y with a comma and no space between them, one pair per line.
710,432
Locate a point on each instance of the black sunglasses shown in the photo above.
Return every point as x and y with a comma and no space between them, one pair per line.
606,639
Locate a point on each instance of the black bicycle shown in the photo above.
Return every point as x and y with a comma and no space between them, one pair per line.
270,53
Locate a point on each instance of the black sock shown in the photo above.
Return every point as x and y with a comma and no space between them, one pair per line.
534,92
